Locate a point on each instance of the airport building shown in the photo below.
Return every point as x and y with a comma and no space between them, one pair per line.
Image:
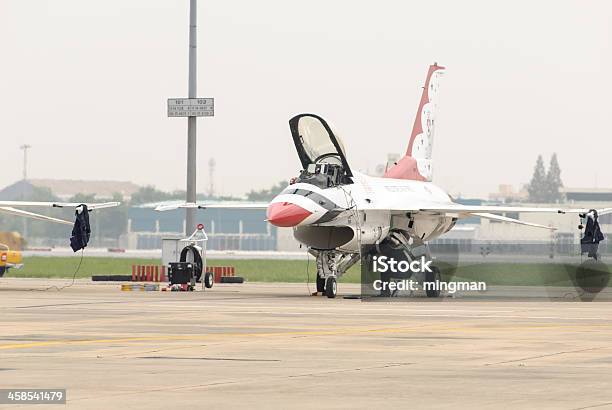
227,228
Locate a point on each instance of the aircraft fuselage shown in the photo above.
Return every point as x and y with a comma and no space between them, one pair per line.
343,217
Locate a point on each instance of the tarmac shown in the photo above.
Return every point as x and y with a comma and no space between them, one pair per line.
270,345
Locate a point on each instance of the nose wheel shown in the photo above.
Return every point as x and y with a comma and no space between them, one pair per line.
331,287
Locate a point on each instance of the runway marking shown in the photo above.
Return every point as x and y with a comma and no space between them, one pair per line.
229,359
171,337
69,304
548,355
594,406
250,380
195,337
270,334
356,369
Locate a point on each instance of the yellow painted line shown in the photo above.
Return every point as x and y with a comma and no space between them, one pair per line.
193,337
348,331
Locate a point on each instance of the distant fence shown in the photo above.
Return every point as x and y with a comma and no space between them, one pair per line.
217,242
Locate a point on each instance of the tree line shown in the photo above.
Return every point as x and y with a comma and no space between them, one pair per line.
545,186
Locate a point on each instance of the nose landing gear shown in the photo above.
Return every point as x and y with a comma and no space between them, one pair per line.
330,266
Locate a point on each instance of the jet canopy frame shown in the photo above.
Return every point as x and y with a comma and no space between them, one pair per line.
316,143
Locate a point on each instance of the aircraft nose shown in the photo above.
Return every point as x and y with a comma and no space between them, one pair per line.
285,214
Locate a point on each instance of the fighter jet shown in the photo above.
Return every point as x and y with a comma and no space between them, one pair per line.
334,211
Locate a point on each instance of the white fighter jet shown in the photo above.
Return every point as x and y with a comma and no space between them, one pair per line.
334,211
8,207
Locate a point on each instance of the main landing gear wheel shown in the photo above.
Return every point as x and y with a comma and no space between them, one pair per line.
433,277
320,284
209,280
331,287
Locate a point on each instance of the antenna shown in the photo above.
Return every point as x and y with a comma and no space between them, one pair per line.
211,175
25,148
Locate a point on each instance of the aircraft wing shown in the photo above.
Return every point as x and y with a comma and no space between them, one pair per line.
470,209
12,211
500,218
7,207
234,205
90,206
491,212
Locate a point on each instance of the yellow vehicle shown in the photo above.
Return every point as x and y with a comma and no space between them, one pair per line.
9,259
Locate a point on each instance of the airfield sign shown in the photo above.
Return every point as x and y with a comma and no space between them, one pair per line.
191,107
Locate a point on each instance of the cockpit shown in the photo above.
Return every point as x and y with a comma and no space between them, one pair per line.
323,175
321,152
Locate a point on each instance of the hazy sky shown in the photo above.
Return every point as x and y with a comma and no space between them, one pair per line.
86,82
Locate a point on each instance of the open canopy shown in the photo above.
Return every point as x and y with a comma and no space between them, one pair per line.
316,143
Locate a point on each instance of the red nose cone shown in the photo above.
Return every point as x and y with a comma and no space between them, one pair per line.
286,214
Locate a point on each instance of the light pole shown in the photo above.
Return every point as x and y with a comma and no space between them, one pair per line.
191,107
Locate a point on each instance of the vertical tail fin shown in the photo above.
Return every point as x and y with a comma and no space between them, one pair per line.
417,163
